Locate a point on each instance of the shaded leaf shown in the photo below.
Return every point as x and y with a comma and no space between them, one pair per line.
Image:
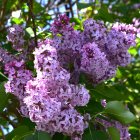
114,133
84,5
118,111
3,97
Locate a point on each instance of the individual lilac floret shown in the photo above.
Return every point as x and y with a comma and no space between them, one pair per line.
95,63
23,109
15,36
103,102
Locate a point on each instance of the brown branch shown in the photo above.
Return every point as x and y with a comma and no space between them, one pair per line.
100,2
48,4
77,9
30,5
70,7
2,12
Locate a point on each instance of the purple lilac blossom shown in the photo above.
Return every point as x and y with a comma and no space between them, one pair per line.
117,49
17,79
51,99
136,23
68,43
94,31
61,24
5,57
15,36
129,32
103,102
95,63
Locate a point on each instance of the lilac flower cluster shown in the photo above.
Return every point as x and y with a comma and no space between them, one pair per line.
97,50
18,77
123,129
94,31
5,57
61,25
51,98
129,32
67,41
15,36
94,62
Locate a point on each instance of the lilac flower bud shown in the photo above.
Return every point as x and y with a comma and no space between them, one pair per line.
103,102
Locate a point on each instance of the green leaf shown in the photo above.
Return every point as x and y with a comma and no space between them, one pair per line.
103,14
107,92
118,111
42,136
84,5
77,21
3,97
114,133
95,135
15,20
93,108
2,77
133,51
37,7
38,135
92,134
30,32
17,132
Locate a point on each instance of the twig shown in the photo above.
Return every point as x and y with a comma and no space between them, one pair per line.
48,4
101,3
30,5
70,7
77,9
66,7
2,13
